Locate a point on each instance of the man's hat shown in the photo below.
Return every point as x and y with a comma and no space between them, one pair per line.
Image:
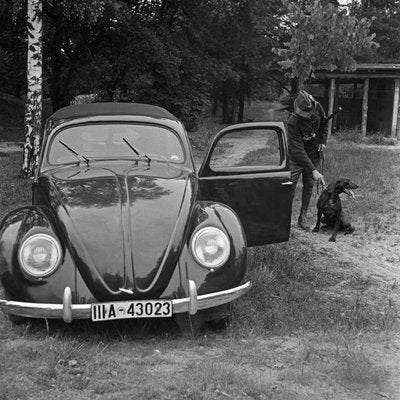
304,104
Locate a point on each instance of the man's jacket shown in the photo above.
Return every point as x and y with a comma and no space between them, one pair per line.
305,136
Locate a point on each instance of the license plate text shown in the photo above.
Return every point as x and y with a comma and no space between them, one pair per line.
131,309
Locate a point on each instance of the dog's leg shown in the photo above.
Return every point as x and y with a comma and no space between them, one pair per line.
336,228
350,229
317,225
345,225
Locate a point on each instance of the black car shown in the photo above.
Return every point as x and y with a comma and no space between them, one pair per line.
123,226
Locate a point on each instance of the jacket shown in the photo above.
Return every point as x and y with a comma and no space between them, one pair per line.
304,137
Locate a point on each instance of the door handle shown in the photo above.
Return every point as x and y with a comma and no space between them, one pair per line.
287,183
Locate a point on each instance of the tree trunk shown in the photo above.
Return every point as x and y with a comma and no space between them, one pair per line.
33,106
241,98
364,117
58,79
215,95
17,63
294,86
225,103
228,101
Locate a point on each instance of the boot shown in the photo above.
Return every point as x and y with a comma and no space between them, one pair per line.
302,221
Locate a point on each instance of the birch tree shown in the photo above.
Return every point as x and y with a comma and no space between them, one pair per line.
33,106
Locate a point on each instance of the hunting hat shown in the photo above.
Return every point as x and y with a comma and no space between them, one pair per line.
304,104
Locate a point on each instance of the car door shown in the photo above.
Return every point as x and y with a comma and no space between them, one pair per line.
247,168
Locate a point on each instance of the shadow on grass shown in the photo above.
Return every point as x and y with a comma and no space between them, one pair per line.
88,331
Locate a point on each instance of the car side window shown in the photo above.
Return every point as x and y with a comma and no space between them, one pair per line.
247,148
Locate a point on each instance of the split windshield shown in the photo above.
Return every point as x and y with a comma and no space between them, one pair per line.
109,141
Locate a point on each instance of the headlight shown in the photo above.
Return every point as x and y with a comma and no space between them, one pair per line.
39,255
210,247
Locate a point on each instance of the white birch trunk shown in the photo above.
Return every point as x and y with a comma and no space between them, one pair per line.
33,106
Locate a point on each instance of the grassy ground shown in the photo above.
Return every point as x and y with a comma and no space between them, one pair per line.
321,321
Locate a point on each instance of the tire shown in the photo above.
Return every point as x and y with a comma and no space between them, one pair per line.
221,323
17,319
189,325
218,318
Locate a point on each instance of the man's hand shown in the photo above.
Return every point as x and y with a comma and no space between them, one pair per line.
321,147
318,177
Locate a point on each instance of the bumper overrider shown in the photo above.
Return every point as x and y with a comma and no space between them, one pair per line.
69,312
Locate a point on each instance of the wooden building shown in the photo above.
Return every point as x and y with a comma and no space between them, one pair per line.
368,96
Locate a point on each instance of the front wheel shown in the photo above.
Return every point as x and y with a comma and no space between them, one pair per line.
17,319
216,318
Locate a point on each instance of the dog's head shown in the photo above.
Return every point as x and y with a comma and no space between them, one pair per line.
342,185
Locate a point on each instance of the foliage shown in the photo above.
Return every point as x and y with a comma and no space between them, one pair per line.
186,55
385,17
323,37
12,50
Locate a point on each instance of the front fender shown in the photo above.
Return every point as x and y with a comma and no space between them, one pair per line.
229,275
16,226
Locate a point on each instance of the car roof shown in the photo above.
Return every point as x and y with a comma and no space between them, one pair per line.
98,109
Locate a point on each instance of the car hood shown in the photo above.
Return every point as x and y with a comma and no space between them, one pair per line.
125,225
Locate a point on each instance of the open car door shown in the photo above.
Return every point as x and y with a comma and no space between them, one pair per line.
247,168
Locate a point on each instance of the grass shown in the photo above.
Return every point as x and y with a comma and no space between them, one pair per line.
354,136
294,293
15,190
311,327
374,170
288,291
291,295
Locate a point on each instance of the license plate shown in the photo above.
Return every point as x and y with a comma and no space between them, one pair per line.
131,309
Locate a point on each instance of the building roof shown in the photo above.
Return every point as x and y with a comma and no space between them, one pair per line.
363,71
378,67
98,109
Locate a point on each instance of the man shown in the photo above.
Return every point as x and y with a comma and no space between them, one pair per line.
307,135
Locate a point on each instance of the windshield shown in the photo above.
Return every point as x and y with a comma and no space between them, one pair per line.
109,141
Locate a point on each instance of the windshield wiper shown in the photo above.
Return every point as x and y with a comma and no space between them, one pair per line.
137,153
77,155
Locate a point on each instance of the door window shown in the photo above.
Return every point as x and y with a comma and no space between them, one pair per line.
244,148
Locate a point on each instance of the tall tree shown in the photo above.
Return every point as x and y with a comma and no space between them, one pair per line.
323,36
385,16
33,106
243,39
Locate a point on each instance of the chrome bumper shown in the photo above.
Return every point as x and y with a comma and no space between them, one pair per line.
68,311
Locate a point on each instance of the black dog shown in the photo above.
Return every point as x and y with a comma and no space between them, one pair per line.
330,206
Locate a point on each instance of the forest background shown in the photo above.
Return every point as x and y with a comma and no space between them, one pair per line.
189,56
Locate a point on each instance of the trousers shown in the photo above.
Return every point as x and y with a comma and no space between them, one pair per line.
308,182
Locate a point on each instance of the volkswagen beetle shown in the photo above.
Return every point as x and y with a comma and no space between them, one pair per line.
122,225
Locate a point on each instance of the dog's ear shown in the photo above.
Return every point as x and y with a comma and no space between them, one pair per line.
341,184
343,181
331,187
